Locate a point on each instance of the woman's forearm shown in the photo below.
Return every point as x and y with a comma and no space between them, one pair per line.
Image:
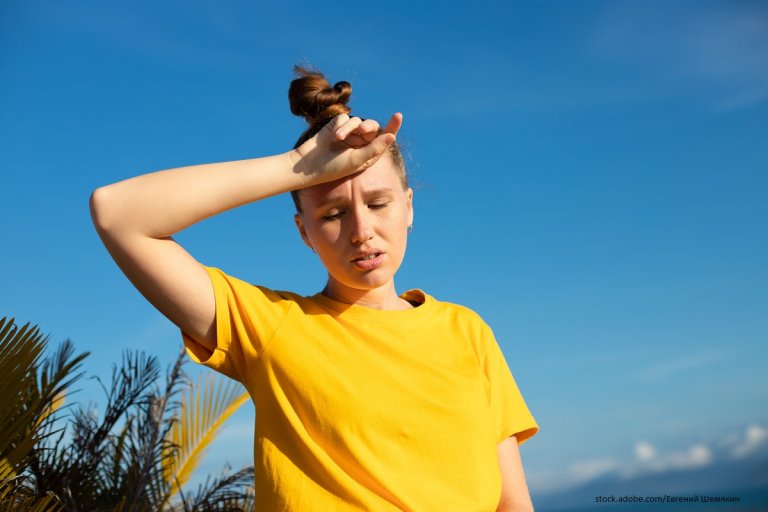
162,203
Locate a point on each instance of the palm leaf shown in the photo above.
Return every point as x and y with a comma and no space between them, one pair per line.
84,477
20,402
229,492
9,502
28,399
204,409
57,374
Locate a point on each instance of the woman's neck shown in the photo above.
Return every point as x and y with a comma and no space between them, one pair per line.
384,297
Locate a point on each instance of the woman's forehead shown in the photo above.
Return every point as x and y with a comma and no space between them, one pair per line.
374,180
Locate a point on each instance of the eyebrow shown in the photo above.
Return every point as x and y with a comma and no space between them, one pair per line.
377,192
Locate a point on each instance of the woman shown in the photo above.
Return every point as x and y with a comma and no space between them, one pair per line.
366,399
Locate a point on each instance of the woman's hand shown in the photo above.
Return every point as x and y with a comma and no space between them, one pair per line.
344,146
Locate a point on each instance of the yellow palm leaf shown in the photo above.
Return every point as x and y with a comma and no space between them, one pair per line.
56,402
12,501
204,409
6,470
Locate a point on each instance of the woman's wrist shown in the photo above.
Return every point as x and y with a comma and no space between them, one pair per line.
297,164
303,174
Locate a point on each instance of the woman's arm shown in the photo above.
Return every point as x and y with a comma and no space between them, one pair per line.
136,218
514,490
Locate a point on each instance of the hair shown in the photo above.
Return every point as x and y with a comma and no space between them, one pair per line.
312,97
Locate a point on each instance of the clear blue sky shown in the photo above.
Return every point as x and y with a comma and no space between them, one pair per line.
591,177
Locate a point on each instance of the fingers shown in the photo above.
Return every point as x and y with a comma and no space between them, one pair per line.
368,129
336,122
380,139
365,156
348,127
365,137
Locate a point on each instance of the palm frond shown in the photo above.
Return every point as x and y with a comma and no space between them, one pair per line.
227,493
31,391
150,450
20,401
133,457
12,502
90,444
204,409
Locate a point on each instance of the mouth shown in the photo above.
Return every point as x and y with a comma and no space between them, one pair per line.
368,256
369,261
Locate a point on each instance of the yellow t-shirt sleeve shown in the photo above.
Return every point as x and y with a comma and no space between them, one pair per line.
247,317
507,404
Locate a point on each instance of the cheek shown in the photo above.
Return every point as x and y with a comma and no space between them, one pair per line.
404,218
324,234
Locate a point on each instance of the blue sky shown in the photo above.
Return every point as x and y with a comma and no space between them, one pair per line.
591,177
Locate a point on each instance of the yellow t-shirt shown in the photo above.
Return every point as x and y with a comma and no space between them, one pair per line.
364,409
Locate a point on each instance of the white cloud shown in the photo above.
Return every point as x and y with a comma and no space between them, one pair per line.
648,459
644,451
699,455
696,456
755,437
584,471
577,473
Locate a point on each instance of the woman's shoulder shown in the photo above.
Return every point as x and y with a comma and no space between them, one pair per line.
244,287
447,307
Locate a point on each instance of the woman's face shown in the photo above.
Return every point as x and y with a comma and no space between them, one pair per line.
358,226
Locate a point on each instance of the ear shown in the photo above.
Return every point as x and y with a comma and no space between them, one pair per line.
409,195
299,220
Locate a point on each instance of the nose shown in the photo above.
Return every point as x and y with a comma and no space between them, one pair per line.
361,228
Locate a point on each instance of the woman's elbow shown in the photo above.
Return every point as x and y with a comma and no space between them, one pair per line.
99,204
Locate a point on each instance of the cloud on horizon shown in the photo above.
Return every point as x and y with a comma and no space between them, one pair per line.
746,443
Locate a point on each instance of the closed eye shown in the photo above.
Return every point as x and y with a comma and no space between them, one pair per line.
377,206
332,216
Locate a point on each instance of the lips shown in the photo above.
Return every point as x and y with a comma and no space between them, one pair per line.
366,254
367,257
369,260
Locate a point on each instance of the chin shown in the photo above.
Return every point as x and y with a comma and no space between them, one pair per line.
369,281
372,284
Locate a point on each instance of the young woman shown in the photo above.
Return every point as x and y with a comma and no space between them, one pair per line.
366,399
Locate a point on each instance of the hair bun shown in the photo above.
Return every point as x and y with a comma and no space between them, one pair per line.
312,97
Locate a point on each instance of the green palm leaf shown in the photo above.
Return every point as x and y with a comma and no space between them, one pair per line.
137,455
22,349
32,389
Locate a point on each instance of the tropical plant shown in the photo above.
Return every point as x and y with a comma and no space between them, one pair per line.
27,404
138,455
